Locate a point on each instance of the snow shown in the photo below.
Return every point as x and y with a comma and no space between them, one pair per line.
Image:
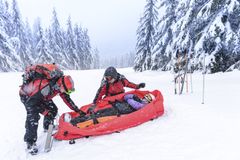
188,130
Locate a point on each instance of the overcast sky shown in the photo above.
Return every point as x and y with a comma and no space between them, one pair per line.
112,24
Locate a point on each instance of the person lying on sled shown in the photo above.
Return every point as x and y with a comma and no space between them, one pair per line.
130,104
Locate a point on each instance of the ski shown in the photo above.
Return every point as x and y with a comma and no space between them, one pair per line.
49,139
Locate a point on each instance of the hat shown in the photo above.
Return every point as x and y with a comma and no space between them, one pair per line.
111,72
149,97
66,84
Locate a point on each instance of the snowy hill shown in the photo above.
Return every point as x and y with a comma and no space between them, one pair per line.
188,130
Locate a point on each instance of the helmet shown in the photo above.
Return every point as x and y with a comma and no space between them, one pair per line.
66,84
149,97
111,72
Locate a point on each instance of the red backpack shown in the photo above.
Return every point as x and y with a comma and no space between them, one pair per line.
41,71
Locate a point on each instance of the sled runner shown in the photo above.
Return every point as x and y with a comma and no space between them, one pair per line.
111,124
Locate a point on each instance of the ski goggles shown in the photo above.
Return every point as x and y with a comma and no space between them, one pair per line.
70,91
148,98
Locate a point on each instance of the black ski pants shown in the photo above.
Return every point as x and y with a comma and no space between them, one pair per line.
33,116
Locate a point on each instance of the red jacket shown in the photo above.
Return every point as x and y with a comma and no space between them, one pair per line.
40,90
110,89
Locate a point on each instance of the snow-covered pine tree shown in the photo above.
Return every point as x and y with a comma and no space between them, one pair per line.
40,48
83,47
163,37
29,39
19,46
70,47
18,35
8,60
56,44
79,45
145,35
220,34
6,17
88,58
235,43
130,59
96,59
189,25
36,37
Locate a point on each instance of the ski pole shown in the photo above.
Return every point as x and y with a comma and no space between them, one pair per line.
204,72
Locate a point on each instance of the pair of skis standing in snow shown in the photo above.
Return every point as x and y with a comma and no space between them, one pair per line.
42,82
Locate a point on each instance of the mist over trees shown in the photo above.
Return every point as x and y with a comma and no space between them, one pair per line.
120,61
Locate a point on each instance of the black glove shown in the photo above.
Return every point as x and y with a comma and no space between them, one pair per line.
91,109
81,113
141,85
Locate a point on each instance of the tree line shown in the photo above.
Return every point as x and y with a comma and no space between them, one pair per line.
22,45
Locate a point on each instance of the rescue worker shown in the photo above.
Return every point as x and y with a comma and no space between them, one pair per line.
37,98
112,84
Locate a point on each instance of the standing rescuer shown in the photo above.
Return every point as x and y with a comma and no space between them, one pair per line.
36,95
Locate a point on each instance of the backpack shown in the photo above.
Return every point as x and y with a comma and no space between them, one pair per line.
41,71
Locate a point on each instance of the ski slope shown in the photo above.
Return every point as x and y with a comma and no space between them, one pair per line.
189,130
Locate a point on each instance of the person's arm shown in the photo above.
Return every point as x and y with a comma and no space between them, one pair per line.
129,84
69,102
136,105
128,96
100,93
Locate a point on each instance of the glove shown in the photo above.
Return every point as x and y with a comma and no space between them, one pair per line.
81,113
91,109
141,85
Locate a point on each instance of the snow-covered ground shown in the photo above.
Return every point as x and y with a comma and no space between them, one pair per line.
189,130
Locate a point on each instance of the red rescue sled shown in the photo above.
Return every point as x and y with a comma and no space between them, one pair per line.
66,131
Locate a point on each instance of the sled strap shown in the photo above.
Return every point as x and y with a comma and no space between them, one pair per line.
94,118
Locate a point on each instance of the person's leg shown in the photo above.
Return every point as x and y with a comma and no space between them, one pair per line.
79,119
52,111
123,108
100,113
106,112
31,125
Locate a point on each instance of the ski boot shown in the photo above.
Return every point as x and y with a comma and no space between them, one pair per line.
32,148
